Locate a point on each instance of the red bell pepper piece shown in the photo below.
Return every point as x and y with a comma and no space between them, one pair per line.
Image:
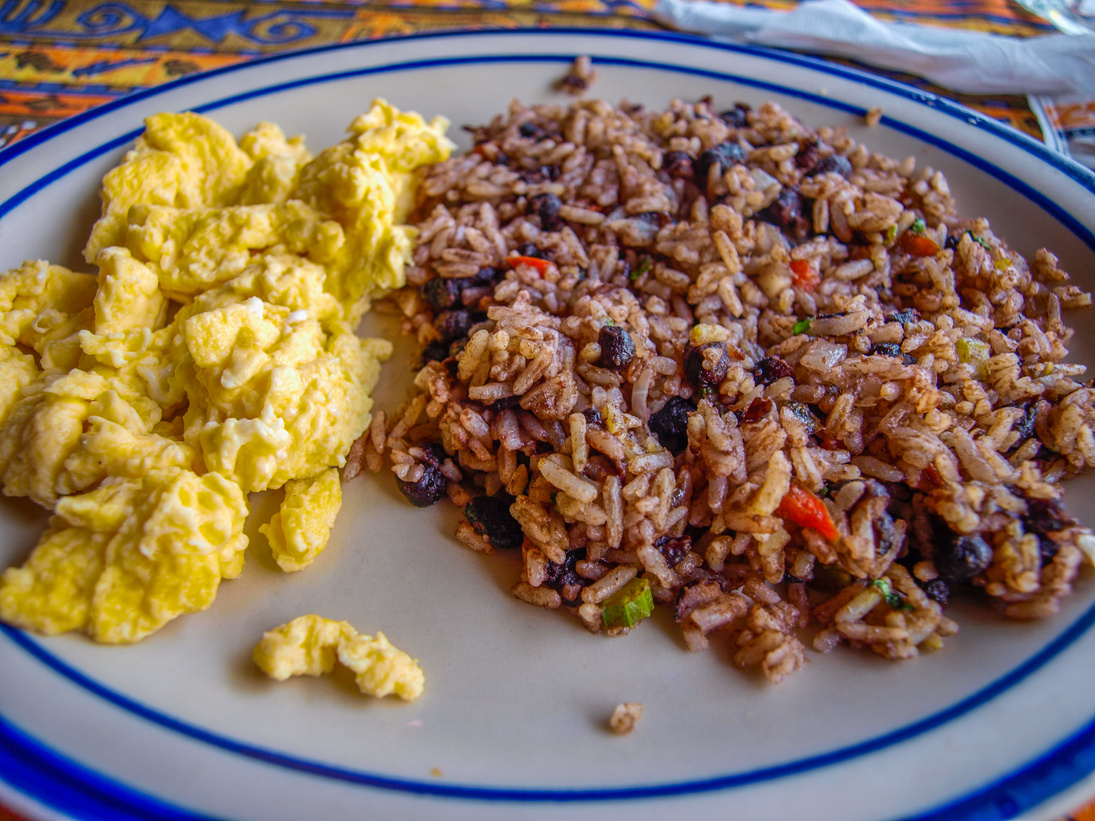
540,265
805,276
918,245
806,510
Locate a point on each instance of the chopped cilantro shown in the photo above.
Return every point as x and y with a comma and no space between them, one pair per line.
644,265
893,599
980,241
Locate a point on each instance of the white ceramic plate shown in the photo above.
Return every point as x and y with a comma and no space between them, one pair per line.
512,724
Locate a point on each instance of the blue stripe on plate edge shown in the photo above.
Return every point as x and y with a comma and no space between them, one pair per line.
1025,788
66,786
31,768
71,789
1029,144
1081,747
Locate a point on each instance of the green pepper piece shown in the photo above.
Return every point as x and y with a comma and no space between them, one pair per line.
802,326
918,226
890,595
629,605
979,240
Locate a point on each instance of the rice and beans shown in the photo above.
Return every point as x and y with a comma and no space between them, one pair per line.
742,369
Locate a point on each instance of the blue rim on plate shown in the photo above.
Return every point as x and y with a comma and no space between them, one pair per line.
33,769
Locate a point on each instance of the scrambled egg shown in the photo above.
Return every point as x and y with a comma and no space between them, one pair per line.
299,531
309,646
122,560
212,353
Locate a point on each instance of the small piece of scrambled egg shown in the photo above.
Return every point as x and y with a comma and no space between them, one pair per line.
310,645
299,531
211,354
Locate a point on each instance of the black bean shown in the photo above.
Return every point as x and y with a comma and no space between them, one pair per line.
834,162
807,155
435,351
927,528
771,368
893,350
831,577
558,575
453,325
884,533
938,591
530,129
488,275
1045,454
455,349
433,453
962,558
706,366
533,176
1048,548
575,82
722,156
803,413
678,165
440,293
783,212
617,348
593,417
546,207
887,349
529,249
429,488
506,403
673,548
490,517
736,117
1045,516
905,316
1025,426
670,424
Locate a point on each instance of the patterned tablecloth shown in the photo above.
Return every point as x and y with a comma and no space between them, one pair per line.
61,57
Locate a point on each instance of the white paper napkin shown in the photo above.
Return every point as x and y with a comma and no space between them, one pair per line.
969,62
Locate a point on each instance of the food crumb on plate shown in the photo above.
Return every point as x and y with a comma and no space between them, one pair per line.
580,76
625,717
873,116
